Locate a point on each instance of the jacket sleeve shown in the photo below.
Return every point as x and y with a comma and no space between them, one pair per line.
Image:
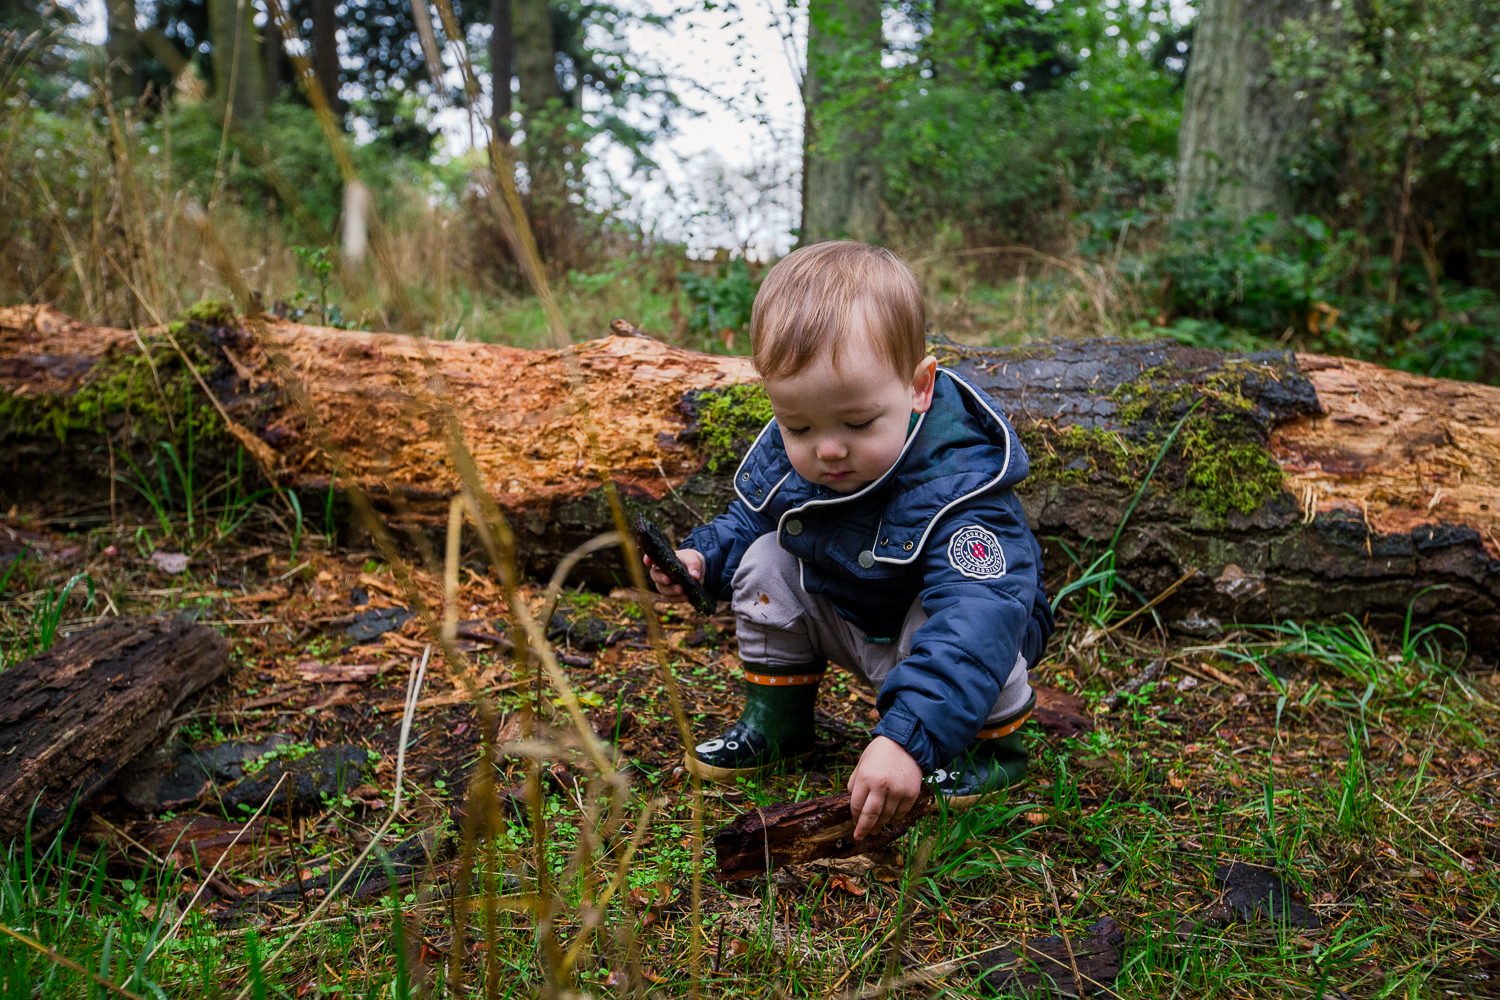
723,542
979,610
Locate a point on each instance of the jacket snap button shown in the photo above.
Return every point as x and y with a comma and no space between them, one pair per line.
867,559
744,477
758,492
907,546
794,527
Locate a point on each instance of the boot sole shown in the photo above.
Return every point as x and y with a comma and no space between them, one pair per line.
727,775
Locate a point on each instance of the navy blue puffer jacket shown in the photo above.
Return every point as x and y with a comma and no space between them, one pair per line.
944,525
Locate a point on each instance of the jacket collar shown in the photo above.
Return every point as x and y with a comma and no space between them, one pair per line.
950,455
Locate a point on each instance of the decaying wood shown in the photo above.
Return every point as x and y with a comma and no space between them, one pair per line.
794,833
72,715
1392,481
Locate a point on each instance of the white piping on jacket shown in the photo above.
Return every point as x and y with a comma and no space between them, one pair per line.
1005,468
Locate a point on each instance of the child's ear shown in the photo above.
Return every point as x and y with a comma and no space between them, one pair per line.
923,384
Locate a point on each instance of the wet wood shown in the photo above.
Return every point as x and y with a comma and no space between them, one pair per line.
70,717
1391,491
794,833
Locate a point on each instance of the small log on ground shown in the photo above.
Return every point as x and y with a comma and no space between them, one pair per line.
1295,486
70,717
794,833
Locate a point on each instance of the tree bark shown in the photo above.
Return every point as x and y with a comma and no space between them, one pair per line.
1375,484
502,53
1236,120
275,60
794,833
536,54
239,81
122,48
841,189
71,716
326,53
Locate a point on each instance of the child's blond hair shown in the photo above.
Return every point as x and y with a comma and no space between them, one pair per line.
809,302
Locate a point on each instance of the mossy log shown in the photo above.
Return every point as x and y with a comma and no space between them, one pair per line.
1297,486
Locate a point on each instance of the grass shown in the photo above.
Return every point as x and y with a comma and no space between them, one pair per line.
1271,749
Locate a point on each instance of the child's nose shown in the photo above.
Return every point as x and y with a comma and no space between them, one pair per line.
831,449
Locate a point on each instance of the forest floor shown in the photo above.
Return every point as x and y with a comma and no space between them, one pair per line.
1364,778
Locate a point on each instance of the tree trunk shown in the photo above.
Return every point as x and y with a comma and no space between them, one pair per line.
502,52
275,60
841,189
1295,486
536,56
123,50
1236,120
71,716
239,75
326,53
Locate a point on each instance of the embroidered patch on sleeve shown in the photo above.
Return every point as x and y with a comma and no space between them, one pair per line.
975,552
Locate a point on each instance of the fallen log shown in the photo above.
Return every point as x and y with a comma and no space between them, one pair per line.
1292,486
70,717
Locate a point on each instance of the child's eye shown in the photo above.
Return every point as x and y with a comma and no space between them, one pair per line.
861,427
795,431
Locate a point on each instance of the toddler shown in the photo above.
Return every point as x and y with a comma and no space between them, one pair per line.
874,527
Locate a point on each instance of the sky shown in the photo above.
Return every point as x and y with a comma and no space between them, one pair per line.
735,72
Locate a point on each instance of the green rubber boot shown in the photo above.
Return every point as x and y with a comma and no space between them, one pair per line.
993,762
776,725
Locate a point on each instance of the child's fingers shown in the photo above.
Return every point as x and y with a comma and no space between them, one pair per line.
870,814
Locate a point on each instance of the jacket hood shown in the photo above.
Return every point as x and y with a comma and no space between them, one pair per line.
961,447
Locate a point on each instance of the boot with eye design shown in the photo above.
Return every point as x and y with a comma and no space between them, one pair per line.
776,725
994,761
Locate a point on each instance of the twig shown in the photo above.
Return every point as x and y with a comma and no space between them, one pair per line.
1465,862
1067,941
1135,683
1192,571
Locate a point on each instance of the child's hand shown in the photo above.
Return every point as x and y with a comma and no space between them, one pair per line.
883,786
691,558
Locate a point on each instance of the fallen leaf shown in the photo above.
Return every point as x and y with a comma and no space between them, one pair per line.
844,882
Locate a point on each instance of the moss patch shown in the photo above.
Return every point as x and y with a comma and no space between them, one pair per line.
152,390
1219,461
726,421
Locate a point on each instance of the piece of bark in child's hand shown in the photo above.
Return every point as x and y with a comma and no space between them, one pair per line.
656,547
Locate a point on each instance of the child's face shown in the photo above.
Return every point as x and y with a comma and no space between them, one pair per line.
844,426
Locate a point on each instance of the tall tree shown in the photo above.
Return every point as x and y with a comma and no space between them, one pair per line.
502,52
325,45
239,75
275,59
841,190
536,54
122,49
1236,118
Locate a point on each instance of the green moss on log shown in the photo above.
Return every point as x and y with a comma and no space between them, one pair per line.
1219,460
727,419
152,390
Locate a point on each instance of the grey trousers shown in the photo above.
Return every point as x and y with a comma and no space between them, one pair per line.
780,624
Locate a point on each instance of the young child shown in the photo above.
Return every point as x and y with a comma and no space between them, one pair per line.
875,527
